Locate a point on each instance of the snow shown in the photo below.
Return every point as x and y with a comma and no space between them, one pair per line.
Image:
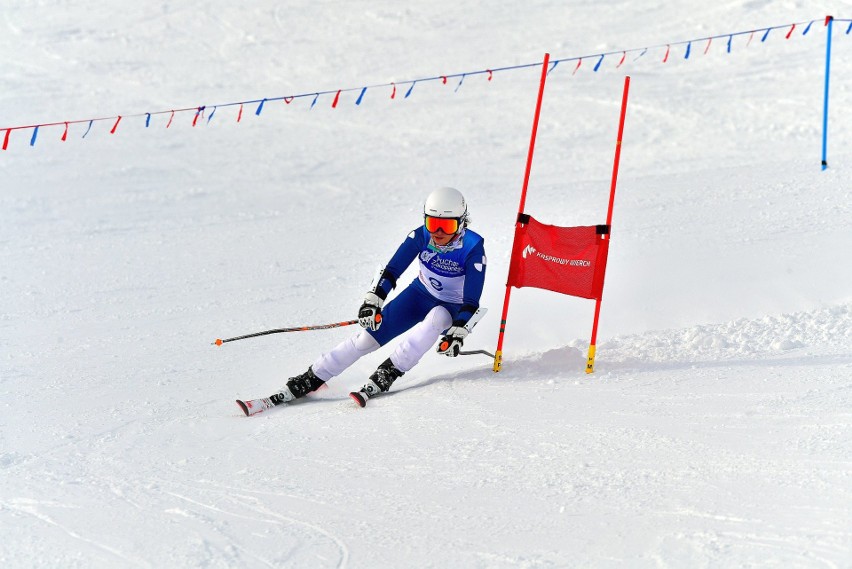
716,430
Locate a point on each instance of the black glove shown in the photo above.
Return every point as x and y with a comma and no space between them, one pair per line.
452,341
370,313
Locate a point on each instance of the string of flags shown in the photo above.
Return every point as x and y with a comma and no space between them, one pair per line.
205,113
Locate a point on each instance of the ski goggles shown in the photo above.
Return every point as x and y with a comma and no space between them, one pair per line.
448,225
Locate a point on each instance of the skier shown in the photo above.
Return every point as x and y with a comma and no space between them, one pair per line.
438,303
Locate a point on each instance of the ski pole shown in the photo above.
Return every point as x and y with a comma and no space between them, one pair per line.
472,352
219,341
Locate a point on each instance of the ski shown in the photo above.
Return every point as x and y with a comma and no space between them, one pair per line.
360,398
255,406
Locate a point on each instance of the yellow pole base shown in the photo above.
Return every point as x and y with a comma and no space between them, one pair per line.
590,363
498,361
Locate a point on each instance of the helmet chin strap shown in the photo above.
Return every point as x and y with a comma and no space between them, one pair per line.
451,245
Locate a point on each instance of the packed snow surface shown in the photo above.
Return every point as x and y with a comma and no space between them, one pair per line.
716,430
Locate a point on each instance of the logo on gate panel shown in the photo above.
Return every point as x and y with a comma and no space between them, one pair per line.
531,251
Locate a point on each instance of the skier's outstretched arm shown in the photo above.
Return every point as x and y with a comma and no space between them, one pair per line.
370,313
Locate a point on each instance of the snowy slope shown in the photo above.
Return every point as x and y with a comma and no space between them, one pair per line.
716,431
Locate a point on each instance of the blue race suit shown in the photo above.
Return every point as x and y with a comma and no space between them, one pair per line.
451,276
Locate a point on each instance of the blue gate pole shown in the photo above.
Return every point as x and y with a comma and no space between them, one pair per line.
829,20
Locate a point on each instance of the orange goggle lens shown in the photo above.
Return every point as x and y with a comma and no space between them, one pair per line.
448,225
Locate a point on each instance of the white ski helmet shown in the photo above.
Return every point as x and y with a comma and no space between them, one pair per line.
446,202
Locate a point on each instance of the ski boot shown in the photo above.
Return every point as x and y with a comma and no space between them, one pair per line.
296,388
380,381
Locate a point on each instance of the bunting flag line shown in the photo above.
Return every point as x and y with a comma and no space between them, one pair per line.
789,31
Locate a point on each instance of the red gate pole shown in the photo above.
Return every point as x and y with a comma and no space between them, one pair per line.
590,363
498,354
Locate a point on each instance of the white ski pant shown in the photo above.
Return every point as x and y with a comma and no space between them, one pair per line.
414,344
